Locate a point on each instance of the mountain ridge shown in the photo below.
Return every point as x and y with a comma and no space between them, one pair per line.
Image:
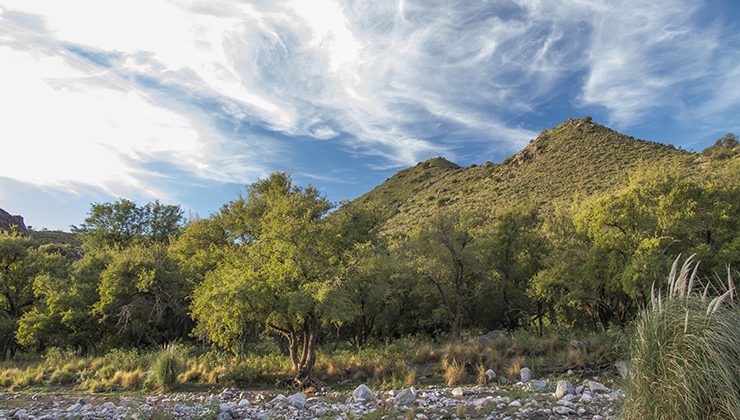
576,158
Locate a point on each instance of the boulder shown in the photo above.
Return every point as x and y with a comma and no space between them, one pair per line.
406,397
362,394
564,388
458,392
244,402
597,387
525,374
490,374
538,385
298,400
623,368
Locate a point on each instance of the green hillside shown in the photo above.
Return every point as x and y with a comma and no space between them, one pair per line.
576,158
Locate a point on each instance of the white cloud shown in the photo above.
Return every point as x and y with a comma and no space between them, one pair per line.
400,80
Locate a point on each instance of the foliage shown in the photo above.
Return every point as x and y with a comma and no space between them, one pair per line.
167,366
122,222
684,354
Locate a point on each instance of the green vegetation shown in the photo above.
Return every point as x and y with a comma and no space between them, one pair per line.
685,353
555,250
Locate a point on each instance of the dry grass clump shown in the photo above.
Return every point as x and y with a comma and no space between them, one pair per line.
455,372
685,352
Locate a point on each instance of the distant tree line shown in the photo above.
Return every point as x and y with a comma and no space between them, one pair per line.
278,262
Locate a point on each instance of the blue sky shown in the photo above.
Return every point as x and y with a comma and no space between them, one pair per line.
188,101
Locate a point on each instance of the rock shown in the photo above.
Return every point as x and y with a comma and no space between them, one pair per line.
579,389
525,374
362,394
562,410
623,368
597,387
458,392
225,415
9,222
490,374
279,399
226,407
570,372
297,400
502,380
515,403
21,414
406,397
586,398
564,388
108,406
538,385
244,403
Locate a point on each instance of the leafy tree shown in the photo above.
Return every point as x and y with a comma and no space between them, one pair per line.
282,274
200,247
142,296
444,252
513,251
17,270
62,315
122,222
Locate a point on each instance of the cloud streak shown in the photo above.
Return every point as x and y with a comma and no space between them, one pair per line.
226,91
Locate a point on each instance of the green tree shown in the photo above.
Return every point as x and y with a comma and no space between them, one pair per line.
142,296
443,251
513,251
282,273
122,222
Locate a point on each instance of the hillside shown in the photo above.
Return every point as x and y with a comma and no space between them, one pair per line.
578,157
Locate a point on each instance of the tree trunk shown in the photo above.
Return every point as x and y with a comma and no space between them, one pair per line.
302,351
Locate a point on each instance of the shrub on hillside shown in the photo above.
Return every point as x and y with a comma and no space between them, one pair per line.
685,354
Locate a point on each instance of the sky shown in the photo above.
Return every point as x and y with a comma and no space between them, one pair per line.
189,101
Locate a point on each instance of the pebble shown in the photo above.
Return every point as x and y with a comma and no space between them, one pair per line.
230,404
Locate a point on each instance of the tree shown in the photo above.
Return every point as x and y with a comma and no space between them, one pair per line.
121,223
281,274
142,296
17,271
444,252
513,252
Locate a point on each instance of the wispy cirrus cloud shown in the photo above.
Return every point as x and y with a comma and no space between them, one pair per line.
225,91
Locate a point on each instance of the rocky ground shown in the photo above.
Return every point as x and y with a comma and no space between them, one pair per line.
534,399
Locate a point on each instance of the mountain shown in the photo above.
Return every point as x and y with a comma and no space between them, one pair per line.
578,158
8,221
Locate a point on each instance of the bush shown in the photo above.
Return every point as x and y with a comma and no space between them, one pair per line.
167,366
684,356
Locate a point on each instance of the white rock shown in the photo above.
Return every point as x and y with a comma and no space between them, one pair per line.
562,410
564,388
581,411
297,400
597,387
490,374
226,407
623,368
586,398
515,403
538,385
525,374
406,397
108,406
21,414
362,394
579,389
279,399
458,392
244,402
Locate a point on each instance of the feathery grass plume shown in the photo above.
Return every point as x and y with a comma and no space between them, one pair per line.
684,356
167,366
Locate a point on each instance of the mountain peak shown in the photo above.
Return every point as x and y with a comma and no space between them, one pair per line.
8,221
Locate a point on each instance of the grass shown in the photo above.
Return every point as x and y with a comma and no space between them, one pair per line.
685,353
167,367
401,363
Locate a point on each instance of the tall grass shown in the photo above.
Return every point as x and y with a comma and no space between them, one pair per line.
685,353
167,366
